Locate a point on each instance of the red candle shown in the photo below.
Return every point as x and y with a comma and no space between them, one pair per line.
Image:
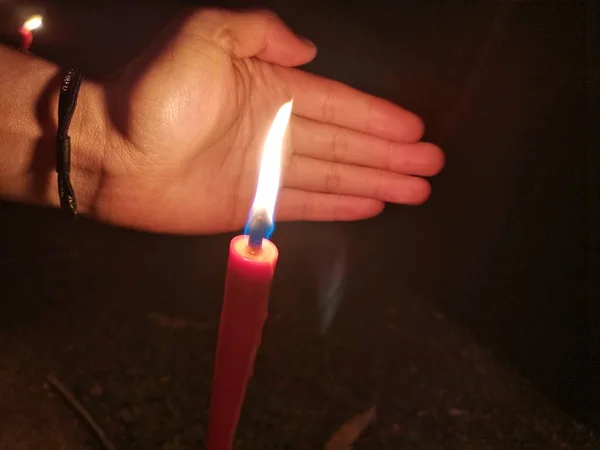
244,312
26,31
250,270
26,38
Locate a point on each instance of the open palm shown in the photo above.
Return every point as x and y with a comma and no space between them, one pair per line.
199,106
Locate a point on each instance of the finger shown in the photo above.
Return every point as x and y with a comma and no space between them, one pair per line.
295,204
258,34
334,178
335,103
341,145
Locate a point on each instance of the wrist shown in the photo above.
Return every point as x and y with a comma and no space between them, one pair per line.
29,91
89,134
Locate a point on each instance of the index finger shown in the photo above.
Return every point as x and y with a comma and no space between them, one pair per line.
335,103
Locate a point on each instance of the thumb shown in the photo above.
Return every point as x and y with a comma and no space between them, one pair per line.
259,34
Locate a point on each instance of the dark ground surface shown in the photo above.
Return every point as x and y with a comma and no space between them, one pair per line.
148,384
499,259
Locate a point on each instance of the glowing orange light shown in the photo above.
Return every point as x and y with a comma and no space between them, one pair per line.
269,177
33,23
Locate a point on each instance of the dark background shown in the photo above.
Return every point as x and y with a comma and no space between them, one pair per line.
471,321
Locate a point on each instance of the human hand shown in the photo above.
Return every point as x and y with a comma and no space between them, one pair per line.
184,154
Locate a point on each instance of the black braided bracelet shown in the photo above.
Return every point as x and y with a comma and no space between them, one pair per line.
67,103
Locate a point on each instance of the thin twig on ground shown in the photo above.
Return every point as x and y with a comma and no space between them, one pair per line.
83,413
345,437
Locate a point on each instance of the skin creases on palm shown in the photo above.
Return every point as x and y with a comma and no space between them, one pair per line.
200,108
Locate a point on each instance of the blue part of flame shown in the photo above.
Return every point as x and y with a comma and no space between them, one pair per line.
267,229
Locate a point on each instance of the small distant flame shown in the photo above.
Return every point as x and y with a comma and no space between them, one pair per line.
267,188
33,23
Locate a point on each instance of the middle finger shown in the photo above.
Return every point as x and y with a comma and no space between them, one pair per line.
341,145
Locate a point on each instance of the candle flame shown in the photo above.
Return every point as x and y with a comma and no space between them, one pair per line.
269,177
32,23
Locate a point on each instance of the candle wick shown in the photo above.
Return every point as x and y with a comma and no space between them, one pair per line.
258,228
255,241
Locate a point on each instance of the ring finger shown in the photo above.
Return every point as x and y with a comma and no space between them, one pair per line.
315,175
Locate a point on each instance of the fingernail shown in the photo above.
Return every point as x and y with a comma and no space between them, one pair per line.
307,41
